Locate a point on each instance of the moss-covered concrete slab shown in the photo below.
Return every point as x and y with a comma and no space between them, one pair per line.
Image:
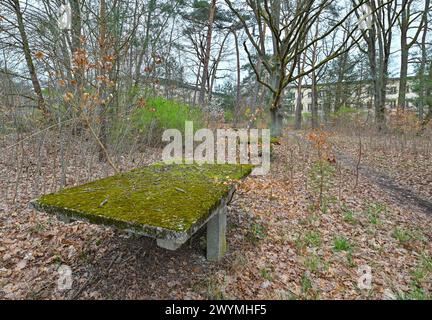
160,201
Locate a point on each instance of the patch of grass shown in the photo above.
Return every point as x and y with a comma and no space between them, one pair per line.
327,201
420,277
312,239
423,271
313,263
341,244
299,243
267,274
84,256
426,262
57,259
350,260
415,293
349,217
325,205
401,235
378,207
373,215
418,235
374,219
374,211
306,283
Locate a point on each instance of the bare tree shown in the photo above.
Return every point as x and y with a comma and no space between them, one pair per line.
423,65
15,5
410,20
289,25
206,59
384,15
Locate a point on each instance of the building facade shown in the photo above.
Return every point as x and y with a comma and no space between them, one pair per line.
358,95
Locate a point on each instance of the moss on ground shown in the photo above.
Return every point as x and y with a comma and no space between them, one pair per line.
158,198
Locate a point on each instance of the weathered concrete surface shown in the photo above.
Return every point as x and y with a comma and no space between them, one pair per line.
167,213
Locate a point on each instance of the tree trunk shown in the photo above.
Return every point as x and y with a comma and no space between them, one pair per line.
275,106
197,83
206,62
76,38
29,60
339,94
151,8
299,107
238,87
258,87
422,69
407,42
76,47
314,101
103,87
215,66
404,58
428,117
276,76
276,122
403,78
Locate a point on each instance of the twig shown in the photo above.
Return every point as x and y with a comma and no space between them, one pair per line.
101,145
358,163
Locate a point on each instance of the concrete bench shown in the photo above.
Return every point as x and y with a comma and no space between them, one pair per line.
166,202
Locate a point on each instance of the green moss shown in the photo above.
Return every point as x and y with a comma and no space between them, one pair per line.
275,140
159,200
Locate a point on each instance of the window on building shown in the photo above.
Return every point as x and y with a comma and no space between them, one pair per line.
392,90
392,104
310,107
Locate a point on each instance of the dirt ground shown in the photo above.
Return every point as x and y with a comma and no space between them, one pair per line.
280,246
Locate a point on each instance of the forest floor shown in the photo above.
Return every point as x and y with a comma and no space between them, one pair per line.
280,245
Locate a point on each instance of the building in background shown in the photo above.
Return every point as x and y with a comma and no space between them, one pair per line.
357,94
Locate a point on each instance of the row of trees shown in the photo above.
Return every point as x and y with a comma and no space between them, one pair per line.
114,55
115,52
338,42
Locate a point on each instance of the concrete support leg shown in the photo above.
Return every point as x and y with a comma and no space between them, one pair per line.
216,235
